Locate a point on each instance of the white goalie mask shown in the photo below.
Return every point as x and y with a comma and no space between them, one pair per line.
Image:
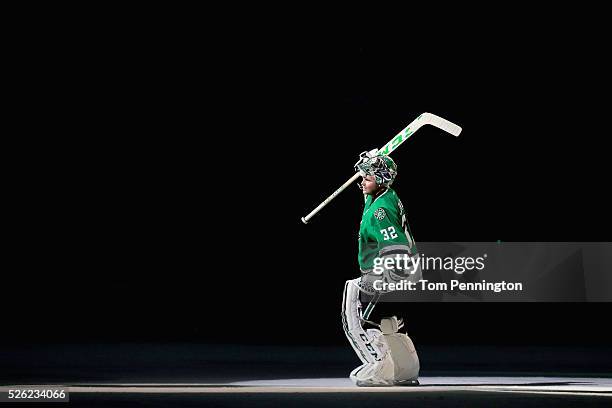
383,168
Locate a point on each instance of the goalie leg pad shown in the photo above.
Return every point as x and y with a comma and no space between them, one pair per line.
402,353
377,373
361,340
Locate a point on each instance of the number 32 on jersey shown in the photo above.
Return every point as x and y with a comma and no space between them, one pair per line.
388,233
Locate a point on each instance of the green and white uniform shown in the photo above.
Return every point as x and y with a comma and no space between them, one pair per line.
383,233
383,225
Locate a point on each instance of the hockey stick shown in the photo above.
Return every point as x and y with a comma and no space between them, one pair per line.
401,137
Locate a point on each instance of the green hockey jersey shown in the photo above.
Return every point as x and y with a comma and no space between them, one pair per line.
383,223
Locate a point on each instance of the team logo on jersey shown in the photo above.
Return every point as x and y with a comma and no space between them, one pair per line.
380,214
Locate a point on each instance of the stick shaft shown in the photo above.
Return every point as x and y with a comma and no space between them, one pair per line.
388,148
331,197
423,119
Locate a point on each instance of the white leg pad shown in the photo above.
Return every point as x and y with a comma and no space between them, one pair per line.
401,351
361,340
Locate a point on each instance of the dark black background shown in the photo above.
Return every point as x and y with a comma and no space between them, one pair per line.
164,175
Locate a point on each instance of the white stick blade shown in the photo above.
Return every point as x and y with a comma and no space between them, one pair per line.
441,123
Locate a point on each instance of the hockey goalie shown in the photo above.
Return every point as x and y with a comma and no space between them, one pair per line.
388,356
